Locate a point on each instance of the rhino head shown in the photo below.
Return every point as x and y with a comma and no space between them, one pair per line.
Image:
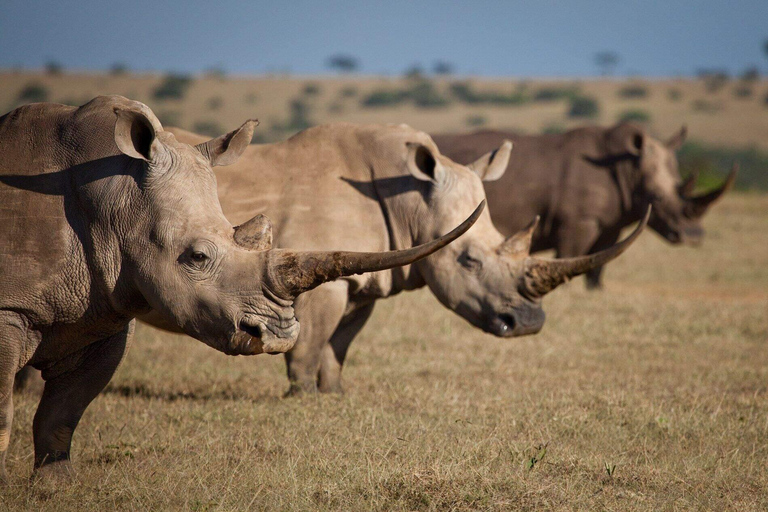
221,284
647,173
492,282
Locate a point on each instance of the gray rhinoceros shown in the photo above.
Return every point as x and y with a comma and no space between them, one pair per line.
587,184
105,216
329,185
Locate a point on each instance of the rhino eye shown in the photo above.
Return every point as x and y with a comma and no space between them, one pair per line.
469,262
198,256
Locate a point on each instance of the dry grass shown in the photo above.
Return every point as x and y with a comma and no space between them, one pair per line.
664,375
719,119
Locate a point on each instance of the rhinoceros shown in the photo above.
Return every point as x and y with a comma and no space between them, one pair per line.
587,185
328,185
106,216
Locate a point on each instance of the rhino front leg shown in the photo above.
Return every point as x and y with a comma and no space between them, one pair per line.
335,351
577,238
319,311
65,398
594,276
10,351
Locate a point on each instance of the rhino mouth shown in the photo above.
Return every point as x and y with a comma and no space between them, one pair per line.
255,331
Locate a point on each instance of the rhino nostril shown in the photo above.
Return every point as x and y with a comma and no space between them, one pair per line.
252,330
508,321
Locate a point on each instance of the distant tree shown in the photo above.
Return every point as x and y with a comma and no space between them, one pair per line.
765,48
607,62
442,67
751,74
414,72
342,63
583,106
118,68
217,72
173,86
33,93
53,67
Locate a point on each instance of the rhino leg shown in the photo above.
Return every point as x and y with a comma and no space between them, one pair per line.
577,238
334,352
605,241
65,398
10,352
319,311
28,379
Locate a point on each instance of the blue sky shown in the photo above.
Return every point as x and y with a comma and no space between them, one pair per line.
488,38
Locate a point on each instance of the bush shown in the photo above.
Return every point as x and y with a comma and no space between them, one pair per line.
311,89
583,106
169,117
750,75
349,91
53,67
464,92
553,129
33,93
674,94
384,98
742,91
476,120
714,80
636,115
709,107
209,128
298,119
117,69
553,93
173,86
425,95
215,102
633,91
714,162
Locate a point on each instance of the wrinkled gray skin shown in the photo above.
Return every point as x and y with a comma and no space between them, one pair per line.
105,217
337,185
587,185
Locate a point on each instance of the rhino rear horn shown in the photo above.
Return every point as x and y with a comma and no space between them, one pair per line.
696,206
255,234
543,276
686,188
293,273
520,242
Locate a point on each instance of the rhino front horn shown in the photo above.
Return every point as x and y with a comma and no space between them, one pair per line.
294,272
543,276
697,206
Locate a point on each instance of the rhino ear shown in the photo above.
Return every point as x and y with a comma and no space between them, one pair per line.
676,141
491,166
228,148
423,164
135,135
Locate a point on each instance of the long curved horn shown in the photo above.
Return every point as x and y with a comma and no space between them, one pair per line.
296,272
686,188
697,206
543,276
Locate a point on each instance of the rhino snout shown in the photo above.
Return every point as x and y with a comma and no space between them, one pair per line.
517,323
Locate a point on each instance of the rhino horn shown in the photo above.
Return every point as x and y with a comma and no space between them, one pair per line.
697,206
686,188
255,234
294,272
542,276
520,242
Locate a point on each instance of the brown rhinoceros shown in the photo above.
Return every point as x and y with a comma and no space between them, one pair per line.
587,184
105,216
329,185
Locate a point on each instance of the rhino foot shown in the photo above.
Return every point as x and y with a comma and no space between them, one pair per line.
53,476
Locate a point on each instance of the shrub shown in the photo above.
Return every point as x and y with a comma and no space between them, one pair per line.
583,106
633,91
209,128
343,63
742,91
384,98
553,129
215,102
714,80
714,162
464,92
298,119
476,120
117,69
173,86
750,74
425,95
674,94
348,92
169,117
311,89
33,93
709,107
636,115
53,67
336,108
553,93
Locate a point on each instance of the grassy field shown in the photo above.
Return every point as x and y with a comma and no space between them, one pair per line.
651,395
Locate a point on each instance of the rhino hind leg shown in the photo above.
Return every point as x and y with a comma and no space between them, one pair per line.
319,311
28,380
335,351
65,398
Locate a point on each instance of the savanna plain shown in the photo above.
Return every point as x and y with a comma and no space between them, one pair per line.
649,395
